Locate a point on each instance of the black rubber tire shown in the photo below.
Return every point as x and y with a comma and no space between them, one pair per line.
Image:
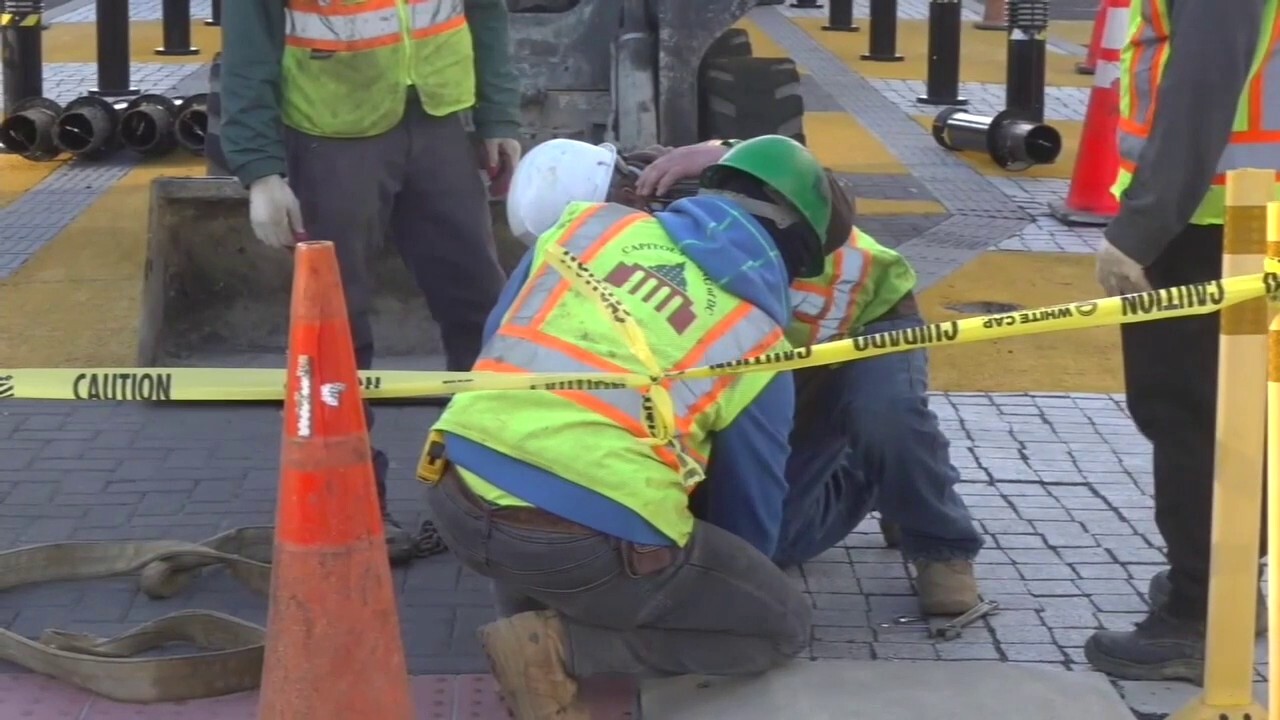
732,43
748,97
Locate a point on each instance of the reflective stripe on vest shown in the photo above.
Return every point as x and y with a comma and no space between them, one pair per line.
1255,139
826,305
521,345
338,27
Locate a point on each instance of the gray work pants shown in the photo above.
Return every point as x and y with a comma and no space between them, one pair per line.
417,185
714,607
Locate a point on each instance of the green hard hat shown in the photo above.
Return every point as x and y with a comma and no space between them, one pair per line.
794,173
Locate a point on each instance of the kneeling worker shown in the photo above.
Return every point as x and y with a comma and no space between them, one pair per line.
864,436
556,495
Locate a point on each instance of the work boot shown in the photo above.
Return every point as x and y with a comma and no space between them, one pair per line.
1161,647
891,533
527,656
399,541
946,587
1158,593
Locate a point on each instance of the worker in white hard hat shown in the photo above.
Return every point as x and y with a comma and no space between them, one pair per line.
864,435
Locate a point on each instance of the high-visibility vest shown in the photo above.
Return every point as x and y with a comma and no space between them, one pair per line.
1255,138
862,280
348,64
594,438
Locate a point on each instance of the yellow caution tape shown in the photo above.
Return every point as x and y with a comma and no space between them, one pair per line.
231,384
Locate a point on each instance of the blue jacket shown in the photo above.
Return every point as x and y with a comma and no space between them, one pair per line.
748,457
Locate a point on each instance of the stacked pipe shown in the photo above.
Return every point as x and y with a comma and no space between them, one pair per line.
92,128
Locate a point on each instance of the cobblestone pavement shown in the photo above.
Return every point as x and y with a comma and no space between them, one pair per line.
1060,484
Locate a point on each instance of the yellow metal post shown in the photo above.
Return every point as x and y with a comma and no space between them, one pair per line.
1238,462
1273,465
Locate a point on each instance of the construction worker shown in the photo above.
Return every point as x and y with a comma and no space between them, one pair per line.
1198,84
574,503
864,435
359,105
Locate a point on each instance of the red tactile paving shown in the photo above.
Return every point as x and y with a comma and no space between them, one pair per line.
436,697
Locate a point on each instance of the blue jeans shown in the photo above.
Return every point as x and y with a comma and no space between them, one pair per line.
866,439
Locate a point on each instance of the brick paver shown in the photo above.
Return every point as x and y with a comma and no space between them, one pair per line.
1061,485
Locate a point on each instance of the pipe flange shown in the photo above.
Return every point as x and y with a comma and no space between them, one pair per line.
103,118
940,127
44,114
157,111
192,123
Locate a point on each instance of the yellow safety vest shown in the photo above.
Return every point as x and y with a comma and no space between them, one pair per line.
1255,139
594,437
348,63
861,282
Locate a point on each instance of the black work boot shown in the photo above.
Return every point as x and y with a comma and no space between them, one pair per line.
1161,647
400,548
1158,593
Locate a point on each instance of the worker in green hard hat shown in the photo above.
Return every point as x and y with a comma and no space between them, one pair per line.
575,502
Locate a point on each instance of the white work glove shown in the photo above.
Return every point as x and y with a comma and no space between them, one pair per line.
498,158
274,212
1119,274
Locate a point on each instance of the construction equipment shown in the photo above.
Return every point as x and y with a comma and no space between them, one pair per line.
629,72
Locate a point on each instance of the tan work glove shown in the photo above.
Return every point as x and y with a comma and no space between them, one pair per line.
274,212
1119,274
498,157
683,163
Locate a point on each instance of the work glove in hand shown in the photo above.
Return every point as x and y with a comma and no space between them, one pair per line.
680,164
274,212
1119,274
498,157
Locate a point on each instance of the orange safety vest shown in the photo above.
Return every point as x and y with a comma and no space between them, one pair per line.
594,437
1255,138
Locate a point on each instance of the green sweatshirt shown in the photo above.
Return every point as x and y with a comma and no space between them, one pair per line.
252,133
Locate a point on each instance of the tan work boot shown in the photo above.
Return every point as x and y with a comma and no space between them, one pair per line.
946,587
526,652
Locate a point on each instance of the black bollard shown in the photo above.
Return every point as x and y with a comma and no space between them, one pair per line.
882,41
942,86
21,50
807,5
1025,59
176,26
113,49
840,18
215,14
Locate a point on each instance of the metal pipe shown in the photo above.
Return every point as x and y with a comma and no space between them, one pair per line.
192,123
87,127
942,84
215,14
176,26
113,49
29,129
1013,142
1025,58
882,41
21,50
147,125
840,17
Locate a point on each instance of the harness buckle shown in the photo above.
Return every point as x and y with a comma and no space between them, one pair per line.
433,463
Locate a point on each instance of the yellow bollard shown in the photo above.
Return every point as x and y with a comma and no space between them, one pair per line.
1273,464
1238,462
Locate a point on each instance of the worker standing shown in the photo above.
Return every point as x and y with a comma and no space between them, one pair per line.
1199,90
344,120
574,502
864,435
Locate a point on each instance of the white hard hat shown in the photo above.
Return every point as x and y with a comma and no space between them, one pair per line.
552,175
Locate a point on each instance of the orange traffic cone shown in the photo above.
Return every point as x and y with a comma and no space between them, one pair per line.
333,649
1089,199
1090,64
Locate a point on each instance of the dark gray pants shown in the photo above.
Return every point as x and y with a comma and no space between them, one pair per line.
714,607
417,185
